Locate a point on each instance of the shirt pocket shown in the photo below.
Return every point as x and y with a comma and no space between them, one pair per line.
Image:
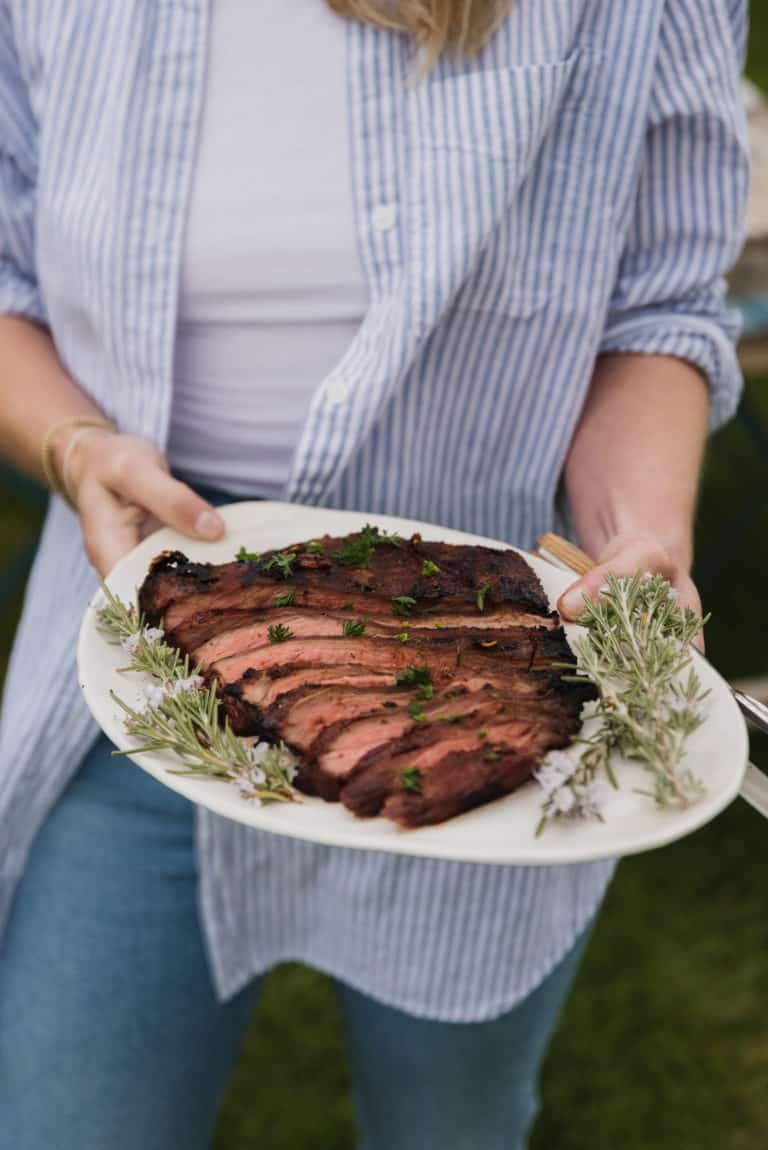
495,185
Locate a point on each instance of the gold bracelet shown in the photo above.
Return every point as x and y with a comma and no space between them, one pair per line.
54,479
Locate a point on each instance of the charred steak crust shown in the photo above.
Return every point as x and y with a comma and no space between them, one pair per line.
416,679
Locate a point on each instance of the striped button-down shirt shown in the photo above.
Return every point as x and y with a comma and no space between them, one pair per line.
578,188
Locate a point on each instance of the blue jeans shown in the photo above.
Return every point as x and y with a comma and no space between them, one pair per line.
111,1036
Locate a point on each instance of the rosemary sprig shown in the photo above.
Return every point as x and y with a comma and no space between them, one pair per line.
413,677
416,712
637,654
410,780
482,592
287,599
245,556
352,628
187,723
357,550
277,633
282,561
180,714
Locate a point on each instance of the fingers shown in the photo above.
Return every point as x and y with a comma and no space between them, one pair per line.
110,528
626,557
637,555
145,483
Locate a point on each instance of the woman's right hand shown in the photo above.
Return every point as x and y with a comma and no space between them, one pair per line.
122,489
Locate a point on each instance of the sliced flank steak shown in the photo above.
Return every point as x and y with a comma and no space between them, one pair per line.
412,679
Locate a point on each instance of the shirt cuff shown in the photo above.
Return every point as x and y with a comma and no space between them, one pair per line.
703,343
20,295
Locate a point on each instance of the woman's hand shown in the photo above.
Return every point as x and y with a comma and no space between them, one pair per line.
624,555
121,487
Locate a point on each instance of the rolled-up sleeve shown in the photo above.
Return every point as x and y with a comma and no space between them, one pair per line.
19,290
686,227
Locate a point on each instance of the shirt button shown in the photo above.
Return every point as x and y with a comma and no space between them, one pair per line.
383,217
337,392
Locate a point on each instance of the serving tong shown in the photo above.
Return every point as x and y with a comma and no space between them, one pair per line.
560,553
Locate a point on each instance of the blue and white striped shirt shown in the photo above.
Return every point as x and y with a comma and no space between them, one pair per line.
577,189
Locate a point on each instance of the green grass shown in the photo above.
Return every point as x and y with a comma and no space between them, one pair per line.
662,1045
757,60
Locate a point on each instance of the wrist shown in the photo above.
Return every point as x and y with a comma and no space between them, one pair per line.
61,449
607,525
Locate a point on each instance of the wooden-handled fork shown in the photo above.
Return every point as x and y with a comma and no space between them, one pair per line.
560,553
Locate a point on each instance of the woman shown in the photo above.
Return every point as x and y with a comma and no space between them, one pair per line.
446,259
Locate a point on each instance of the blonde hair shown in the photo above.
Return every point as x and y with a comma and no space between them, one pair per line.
436,26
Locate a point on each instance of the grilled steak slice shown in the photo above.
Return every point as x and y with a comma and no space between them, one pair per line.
462,781
342,744
382,770
415,764
442,653
467,577
200,627
303,714
346,739
246,701
255,633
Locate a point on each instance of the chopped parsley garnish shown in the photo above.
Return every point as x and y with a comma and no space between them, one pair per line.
413,677
353,627
315,547
403,606
426,691
283,561
410,779
450,718
491,756
348,607
415,711
482,591
429,568
287,599
244,556
357,550
402,636
277,633
482,734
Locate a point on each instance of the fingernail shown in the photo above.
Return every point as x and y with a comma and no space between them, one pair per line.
572,602
209,525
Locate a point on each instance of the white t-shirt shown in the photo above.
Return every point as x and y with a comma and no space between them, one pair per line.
272,290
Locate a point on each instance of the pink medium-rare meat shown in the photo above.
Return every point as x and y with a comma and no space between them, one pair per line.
257,633
244,636
198,628
481,741
442,653
303,714
247,702
412,678
342,744
338,746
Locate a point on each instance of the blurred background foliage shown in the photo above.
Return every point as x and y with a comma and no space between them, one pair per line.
663,1044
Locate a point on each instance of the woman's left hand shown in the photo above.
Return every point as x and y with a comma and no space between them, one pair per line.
624,555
